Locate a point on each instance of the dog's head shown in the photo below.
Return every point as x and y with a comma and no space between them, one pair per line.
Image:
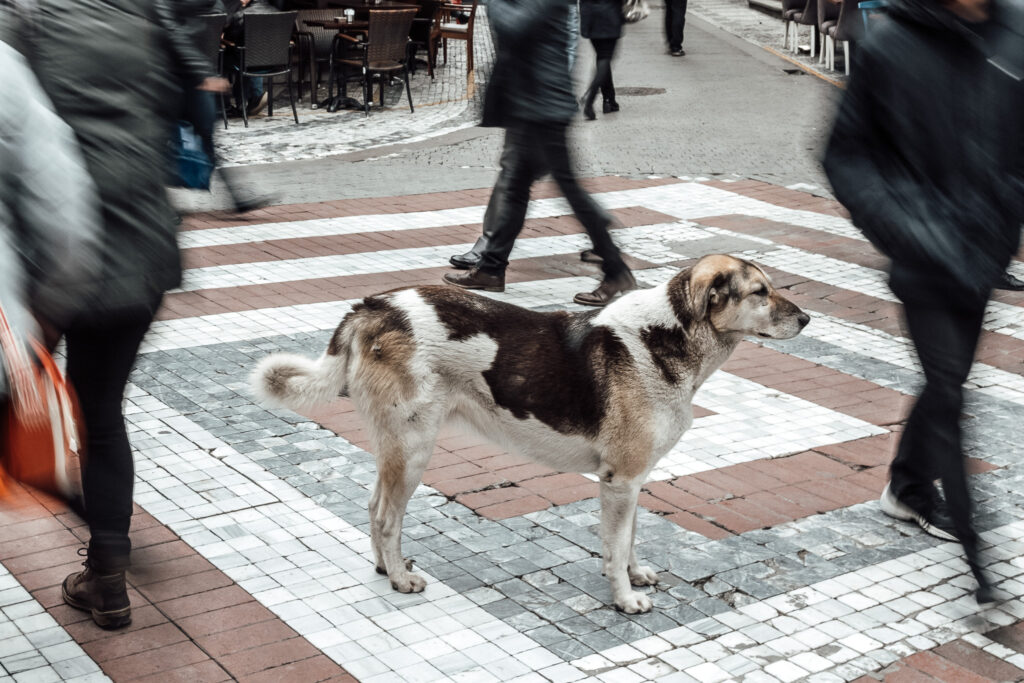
735,296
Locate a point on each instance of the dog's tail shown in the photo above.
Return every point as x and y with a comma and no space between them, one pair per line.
287,380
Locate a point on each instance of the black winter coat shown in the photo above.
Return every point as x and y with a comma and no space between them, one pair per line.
601,18
108,69
531,80
927,152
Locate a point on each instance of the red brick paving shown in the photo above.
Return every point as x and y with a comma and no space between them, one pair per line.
384,240
400,204
190,622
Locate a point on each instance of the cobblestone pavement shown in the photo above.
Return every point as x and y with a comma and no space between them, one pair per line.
252,559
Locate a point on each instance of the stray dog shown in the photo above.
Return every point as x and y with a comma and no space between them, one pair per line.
607,392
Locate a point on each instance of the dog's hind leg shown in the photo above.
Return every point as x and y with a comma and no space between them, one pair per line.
401,460
618,516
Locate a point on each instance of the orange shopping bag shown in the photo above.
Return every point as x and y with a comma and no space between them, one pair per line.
40,444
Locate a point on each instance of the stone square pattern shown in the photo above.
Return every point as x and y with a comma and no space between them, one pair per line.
775,561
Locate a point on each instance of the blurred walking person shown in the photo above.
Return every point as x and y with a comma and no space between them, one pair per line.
926,154
199,104
114,93
601,22
49,218
530,95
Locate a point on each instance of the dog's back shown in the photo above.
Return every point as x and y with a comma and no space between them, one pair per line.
499,368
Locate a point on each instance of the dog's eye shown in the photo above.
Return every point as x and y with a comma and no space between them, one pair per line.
761,291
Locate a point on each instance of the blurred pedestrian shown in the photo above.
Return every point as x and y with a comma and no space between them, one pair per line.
199,104
109,69
530,95
601,22
675,22
926,154
49,218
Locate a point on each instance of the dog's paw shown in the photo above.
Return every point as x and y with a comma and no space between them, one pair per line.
633,603
408,583
643,576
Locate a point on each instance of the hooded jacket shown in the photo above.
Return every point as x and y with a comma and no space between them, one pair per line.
531,80
927,152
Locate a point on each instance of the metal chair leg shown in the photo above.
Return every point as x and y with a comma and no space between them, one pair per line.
291,98
408,90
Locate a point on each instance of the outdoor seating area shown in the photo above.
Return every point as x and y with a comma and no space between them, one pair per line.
318,56
831,23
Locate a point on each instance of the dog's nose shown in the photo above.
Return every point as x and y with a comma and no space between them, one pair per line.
803,319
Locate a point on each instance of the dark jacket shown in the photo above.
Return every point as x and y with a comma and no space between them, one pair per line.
235,29
107,67
530,81
601,18
186,15
926,152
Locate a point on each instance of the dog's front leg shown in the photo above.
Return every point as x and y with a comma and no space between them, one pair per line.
618,514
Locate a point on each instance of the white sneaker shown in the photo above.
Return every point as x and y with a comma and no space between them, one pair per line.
892,506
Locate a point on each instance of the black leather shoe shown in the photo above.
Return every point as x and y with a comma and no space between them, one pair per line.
588,110
607,290
465,261
590,256
477,279
610,106
1009,282
253,203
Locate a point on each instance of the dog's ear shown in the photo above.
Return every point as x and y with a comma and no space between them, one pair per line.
707,281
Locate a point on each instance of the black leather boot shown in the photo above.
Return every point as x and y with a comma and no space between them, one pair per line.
609,106
100,588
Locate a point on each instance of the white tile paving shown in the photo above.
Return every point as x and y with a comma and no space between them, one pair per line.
33,646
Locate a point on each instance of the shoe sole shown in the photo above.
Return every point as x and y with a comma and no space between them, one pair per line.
109,619
595,304
476,287
892,507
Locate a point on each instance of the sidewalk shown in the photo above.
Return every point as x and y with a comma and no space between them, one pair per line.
252,559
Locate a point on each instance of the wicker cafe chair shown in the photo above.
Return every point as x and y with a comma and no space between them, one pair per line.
315,43
267,52
456,31
384,52
213,28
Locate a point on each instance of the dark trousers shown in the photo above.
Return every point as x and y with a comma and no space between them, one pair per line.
945,334
675,22
605,49
200,109
531,150
100,355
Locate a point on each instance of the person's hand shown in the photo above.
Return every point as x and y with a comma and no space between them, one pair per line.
214,84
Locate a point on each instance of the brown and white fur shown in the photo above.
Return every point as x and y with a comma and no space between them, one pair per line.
607,392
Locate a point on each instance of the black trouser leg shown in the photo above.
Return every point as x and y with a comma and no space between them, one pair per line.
945,336
595,220
508,208
100,357
675,22
605,49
